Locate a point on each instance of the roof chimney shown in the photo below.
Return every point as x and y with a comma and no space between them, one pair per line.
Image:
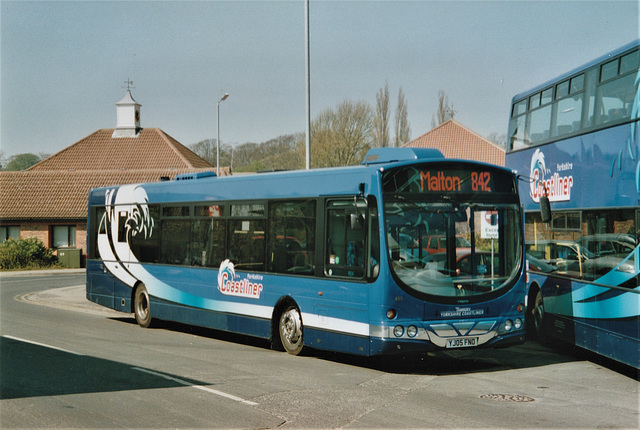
128,117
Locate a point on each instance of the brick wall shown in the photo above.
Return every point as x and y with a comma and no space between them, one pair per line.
39,231
42,231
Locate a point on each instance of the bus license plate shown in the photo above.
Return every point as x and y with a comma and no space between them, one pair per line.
462,342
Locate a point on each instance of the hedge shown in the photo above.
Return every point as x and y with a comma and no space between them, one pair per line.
25,254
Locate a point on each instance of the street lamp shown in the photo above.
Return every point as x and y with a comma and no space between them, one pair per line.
224,97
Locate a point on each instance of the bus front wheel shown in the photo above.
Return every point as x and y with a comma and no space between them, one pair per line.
142,306
290,329
537,316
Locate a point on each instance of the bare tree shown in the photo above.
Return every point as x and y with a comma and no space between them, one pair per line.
381,118
499,139
341,137
445,110
403,129
205,149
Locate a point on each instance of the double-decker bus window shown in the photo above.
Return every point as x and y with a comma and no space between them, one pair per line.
617,89
517,127
629,62
602,95
547,96
345,239
568,109
539,125
291,246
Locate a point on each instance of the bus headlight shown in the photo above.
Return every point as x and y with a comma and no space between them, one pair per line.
508,325
398,331
517,324
412,331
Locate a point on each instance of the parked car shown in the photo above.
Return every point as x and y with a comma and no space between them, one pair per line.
609,244
436,244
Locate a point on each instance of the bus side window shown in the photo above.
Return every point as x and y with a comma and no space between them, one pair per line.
246,236
291,241
207,242
175,249
373,268
345,245
145,246
246,244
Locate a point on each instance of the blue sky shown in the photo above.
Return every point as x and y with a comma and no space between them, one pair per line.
64,64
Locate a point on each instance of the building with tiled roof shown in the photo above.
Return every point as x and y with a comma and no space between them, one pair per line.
49,200
456,141
151,148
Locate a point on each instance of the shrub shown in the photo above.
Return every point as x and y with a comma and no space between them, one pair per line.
25,254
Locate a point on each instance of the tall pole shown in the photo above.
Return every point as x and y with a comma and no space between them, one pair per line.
224,97
307,86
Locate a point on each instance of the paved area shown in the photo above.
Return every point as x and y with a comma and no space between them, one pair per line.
72,298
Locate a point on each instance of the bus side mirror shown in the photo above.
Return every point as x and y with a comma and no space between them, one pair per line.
545,209
357,222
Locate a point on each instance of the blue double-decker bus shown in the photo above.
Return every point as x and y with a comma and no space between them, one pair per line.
576,138
334,259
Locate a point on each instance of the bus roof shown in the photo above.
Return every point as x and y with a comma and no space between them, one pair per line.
577,70
290,183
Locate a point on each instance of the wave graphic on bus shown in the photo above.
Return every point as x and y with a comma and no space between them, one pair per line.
118,258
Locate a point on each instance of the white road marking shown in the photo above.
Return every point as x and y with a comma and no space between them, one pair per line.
199,387
42,344
151,372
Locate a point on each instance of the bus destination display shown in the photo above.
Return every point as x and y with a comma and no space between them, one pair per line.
439,179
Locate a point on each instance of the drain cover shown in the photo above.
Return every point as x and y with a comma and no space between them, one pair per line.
507,397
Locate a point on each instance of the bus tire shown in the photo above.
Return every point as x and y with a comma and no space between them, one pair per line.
536,316
291,330
142,306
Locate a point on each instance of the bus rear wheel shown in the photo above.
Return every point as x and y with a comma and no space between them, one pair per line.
290,329
142,306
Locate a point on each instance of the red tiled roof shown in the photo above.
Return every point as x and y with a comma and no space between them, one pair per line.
46,195
456,141
151,149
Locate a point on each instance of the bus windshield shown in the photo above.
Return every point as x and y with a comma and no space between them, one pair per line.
458,235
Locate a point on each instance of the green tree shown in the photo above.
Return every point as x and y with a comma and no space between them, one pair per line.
22,162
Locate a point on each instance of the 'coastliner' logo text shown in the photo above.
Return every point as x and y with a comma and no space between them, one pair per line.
228,285
556,187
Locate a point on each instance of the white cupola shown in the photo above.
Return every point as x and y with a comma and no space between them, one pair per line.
127,117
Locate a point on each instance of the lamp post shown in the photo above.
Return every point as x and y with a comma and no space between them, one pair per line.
224,97
307,141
